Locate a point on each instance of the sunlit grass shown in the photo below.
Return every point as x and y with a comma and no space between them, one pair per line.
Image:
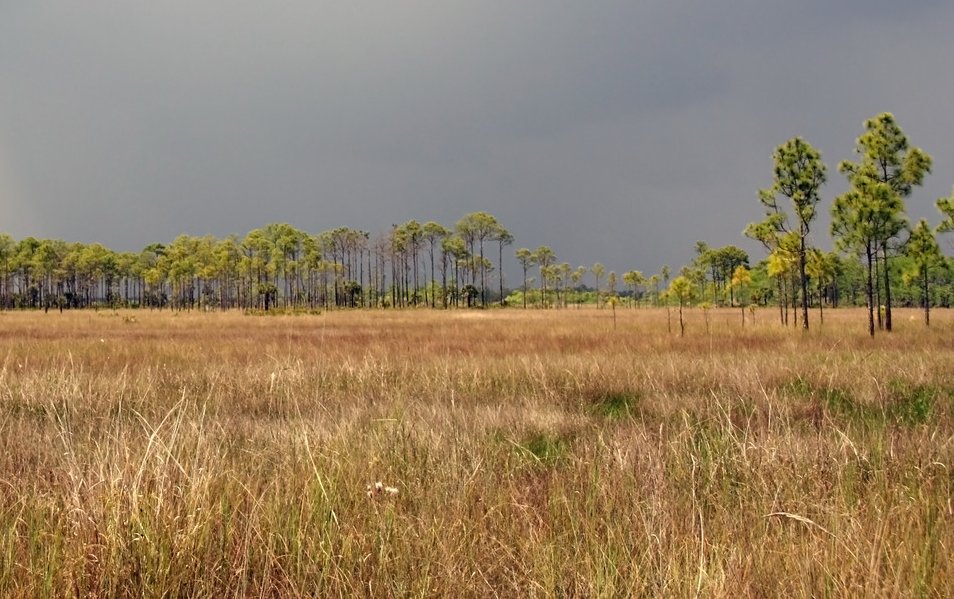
533,453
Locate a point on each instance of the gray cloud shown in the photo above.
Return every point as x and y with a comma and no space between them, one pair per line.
615,131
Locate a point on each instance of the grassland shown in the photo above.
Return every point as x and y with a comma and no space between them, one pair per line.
539,453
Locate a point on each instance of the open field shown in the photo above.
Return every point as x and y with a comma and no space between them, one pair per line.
537,453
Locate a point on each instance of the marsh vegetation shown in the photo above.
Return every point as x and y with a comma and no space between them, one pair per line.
534,453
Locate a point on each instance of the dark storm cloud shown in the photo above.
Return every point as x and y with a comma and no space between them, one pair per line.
614,131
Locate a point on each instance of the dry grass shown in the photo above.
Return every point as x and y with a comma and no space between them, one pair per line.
535,453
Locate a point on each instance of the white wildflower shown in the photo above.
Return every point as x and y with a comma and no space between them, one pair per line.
376,489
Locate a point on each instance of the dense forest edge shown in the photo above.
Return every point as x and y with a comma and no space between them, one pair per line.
880,259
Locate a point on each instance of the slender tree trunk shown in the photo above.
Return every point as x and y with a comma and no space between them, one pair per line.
524,287
433,291
870,291
887,290
416,283
444,280
394,280
877,289
801,266
407,281
500,273
483,294
781,299
543,290
682,324
456,283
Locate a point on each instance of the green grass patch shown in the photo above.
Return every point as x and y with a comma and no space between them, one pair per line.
547,449
800,387
839,402
911,404
906,403
841,405
615,405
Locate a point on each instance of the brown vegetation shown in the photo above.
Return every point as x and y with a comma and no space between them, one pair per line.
533,454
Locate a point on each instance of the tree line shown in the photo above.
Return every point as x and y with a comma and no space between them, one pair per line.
879,259
276,266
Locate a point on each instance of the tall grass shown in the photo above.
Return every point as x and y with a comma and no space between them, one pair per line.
538,453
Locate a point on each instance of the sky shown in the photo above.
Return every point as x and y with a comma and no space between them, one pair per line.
612,131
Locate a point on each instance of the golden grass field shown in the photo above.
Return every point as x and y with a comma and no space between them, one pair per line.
535,453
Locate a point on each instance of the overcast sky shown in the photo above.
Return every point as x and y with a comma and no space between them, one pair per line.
613,131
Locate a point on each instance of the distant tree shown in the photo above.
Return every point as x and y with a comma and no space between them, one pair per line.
545,257
856,222
257,251
227,257
477,228
551,273
822,268
503,238
781,264
767,233
682,290
634,279
577,277
741,279
455,252
434,234
799,174
413,237
598,271
612,301
398,247
654,282
46,259
566,275
725,261
872,211
527,259
24,268
287,243
696,275
926,257
719,263
153,279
